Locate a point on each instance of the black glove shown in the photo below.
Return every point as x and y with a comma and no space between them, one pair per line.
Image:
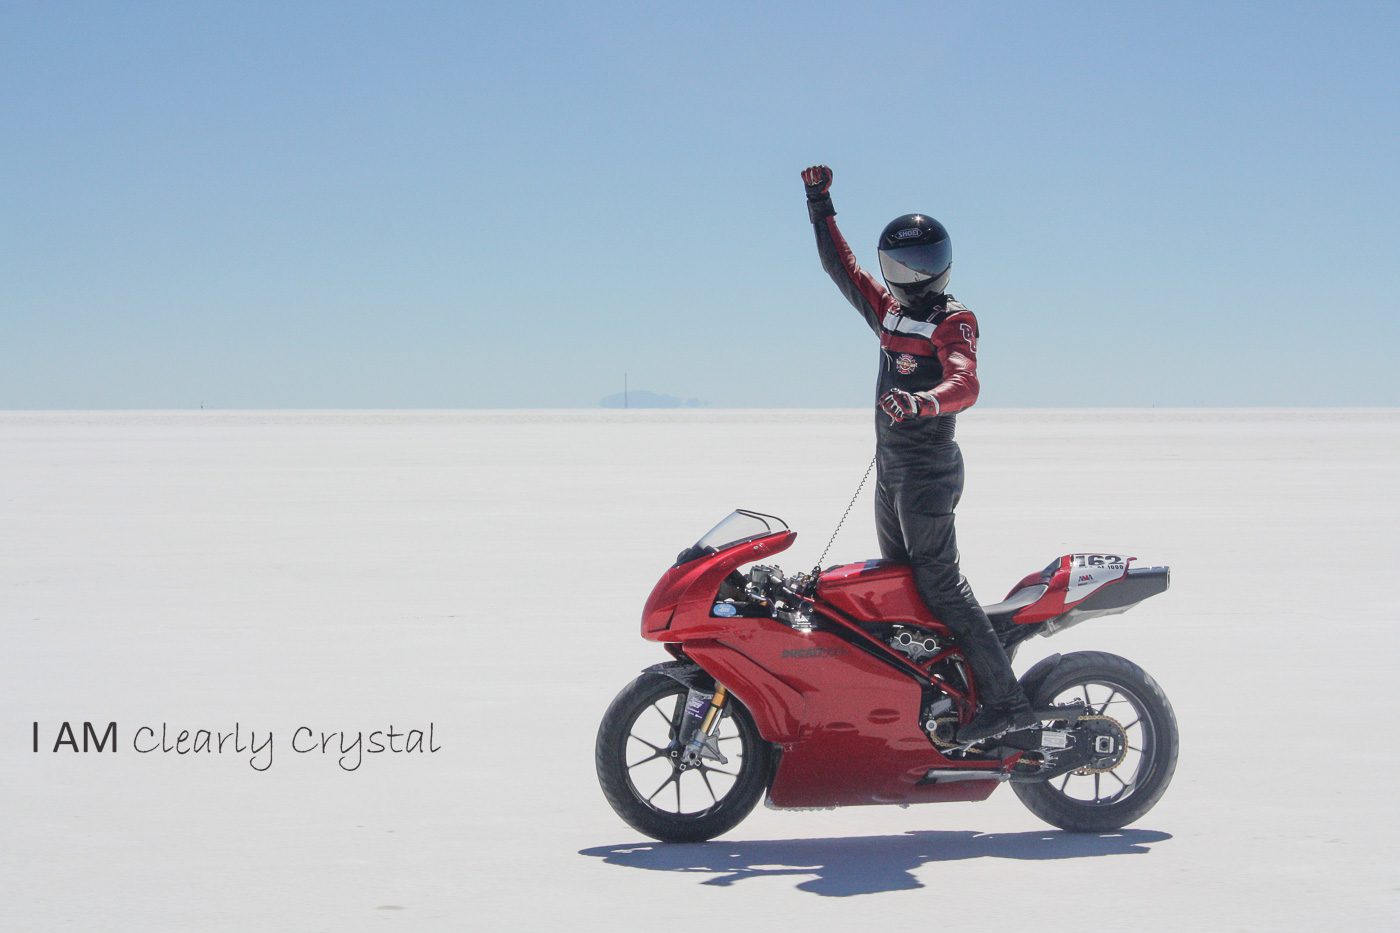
903,406
817,180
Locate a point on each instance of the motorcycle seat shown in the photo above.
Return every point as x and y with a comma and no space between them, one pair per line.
1002,613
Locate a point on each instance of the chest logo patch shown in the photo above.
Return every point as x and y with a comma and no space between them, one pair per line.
906,363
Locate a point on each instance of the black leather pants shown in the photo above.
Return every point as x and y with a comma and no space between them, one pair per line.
917,490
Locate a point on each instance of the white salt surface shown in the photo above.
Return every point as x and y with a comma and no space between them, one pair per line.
485,572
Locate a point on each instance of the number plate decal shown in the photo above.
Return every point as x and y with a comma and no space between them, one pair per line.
1088,572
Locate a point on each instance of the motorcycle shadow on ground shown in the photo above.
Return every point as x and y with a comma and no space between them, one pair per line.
843,867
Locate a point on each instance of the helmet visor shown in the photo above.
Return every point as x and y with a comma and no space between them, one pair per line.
909,265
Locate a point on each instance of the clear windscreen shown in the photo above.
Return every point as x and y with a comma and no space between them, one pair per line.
739,526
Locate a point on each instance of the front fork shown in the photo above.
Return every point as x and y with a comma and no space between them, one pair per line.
697,738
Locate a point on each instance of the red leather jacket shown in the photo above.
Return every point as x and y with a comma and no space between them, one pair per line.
934,355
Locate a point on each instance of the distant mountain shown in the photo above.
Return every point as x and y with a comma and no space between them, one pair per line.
641,398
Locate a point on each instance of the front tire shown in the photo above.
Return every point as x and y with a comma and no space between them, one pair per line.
1110,798
642,781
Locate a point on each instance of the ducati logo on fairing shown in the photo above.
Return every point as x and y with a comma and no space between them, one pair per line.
908,233
906,363
818,652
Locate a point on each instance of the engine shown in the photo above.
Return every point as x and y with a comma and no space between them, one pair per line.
914,643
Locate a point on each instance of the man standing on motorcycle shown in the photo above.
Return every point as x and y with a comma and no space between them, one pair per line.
928,373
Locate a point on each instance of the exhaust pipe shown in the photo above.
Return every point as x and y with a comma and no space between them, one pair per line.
947,776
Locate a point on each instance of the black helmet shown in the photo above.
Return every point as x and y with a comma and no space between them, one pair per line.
916,259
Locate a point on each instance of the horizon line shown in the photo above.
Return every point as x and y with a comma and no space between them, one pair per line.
697,409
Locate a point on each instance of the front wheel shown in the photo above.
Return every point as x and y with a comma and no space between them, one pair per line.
1133,706
646,784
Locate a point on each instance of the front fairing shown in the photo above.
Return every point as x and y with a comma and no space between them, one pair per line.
687,590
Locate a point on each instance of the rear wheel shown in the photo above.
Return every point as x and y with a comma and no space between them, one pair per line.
637,757
1136,712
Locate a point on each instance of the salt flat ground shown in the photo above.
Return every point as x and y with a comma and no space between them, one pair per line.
484,572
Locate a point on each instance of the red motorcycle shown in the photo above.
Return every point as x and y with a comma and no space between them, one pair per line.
837,688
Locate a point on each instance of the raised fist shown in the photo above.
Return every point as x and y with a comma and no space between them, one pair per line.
817,178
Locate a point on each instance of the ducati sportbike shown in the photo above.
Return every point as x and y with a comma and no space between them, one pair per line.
838,688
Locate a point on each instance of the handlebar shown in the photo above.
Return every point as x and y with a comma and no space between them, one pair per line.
788,599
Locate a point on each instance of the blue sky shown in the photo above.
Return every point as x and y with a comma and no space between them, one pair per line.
453,205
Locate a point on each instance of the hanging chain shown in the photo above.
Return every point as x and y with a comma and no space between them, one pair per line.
818,568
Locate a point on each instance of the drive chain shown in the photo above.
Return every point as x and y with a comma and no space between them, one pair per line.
1122,750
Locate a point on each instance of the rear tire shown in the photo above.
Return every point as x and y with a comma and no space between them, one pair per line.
734,795
1127,694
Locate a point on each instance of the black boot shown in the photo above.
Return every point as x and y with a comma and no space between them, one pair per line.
1004,705
994,720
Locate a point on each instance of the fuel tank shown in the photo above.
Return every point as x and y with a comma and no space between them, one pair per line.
875,591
